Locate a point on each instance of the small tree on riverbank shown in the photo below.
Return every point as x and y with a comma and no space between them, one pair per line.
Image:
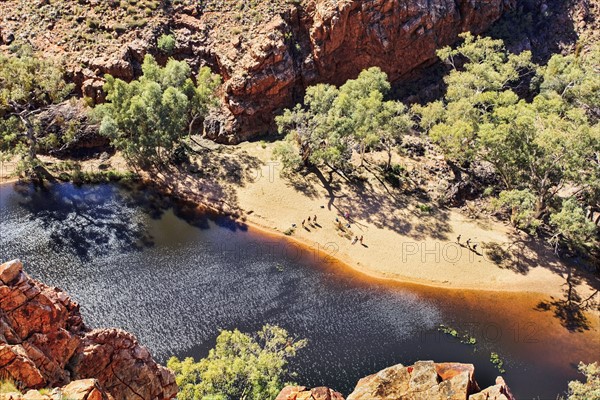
147,118
28,85
334,121
240,366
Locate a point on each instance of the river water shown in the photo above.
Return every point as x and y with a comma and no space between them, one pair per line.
174,278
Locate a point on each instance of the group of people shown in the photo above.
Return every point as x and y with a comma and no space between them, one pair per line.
310,221
356,239
339,223
474,248
313,221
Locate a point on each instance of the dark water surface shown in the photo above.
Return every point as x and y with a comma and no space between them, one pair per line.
174,278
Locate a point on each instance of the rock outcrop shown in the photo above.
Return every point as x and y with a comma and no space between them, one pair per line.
425,380
44,343
302,393
267,52
332,41
499,391
76,135
84,389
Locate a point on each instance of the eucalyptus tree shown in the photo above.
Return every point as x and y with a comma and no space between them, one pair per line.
28,86
539,147
240,366
334,121
482,74
147,118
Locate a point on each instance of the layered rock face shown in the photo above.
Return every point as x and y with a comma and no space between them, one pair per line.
44,343
332,41
425,380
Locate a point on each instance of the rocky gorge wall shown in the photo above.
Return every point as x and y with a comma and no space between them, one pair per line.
332,41
267,52
44,343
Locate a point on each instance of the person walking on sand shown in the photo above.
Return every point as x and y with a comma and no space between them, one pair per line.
469,242
315,219
303,221
355,239
309,219
361,239
475,247
347,215
458,239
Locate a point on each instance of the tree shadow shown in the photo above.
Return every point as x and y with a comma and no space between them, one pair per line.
521,254
86,221
301,182
371,200
571,309
209,180
329,185
89,221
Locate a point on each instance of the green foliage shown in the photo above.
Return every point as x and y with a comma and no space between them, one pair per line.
575,79
425,208
590,389
8,386
571,223
28,85
241,366
480,79
539,146
147,118
394,174
497,361
29,81
287,152
465,338
333,121
521,204
307,141
166,44
448,331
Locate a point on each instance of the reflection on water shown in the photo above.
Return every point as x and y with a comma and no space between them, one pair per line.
174,278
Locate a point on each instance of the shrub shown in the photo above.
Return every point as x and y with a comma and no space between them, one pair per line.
240,366
166,44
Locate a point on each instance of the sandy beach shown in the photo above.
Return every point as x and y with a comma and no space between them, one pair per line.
400,241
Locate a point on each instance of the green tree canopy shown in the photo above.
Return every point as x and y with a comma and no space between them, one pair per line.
480,80
334,121
571,224
28,85
239,367
539,146
575,78
590,389
147,118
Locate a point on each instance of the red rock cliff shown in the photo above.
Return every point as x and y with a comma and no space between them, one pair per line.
44,343
332,41
423,380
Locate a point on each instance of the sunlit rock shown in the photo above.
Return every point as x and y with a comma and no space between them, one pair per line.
44,343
